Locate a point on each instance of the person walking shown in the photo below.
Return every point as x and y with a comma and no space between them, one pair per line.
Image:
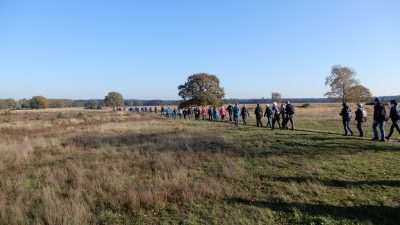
379,120
245,114
203,113
276,116
162,110
236,114
180,113
259,114
361,118
167,111
290,114
268,114
184,113
174,113
284,117
215,114
346,118
230,111
394,115
189,113
210,113
155,110
197,113
223,113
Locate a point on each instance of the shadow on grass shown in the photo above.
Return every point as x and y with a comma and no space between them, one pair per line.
338,183
375,214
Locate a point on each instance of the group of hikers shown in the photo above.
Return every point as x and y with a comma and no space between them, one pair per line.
275,115
380,117
281,116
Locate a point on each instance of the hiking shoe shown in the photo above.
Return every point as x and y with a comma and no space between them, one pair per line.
387,138
375,139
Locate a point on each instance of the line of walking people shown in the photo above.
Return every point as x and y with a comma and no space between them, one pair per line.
380,117
275,115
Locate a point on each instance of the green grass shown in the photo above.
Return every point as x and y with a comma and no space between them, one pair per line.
296,177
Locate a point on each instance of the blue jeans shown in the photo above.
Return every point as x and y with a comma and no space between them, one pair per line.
346,126
381,125
236,118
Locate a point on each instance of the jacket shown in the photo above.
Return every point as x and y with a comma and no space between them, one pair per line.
394,114
245,112
223,112
259,112
359,116
346,113
268,112
236,110
379,112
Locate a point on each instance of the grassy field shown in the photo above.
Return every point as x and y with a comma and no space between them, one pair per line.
73,166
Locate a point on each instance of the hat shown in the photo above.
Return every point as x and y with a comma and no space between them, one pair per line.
393,102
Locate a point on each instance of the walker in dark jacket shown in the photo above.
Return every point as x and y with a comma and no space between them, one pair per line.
394,115
379,120
346,117
276,116
245,114
230,111
268,114
361,119
290,114
259,114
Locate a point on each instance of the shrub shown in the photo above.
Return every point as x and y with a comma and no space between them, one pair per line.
60,115
80,114
39,102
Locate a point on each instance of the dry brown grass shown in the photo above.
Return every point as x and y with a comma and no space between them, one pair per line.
77,170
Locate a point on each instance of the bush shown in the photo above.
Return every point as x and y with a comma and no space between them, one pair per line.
60,115
306,105
39,102
8,104
80,114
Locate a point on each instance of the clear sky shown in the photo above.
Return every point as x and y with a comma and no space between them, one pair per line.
82,49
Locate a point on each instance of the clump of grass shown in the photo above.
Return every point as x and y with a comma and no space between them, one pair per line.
7,113
60,115
80,115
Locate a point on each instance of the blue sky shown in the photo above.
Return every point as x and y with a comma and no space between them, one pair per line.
145,49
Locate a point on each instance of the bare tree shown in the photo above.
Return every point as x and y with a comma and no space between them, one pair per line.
341,80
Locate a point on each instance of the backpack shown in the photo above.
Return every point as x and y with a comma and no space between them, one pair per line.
290,110
364,113
398,113
349,114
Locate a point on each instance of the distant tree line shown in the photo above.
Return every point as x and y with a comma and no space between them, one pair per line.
99,103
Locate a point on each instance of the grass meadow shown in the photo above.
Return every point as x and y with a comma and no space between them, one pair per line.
75,166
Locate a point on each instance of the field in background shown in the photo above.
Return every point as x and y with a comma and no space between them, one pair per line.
74,166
